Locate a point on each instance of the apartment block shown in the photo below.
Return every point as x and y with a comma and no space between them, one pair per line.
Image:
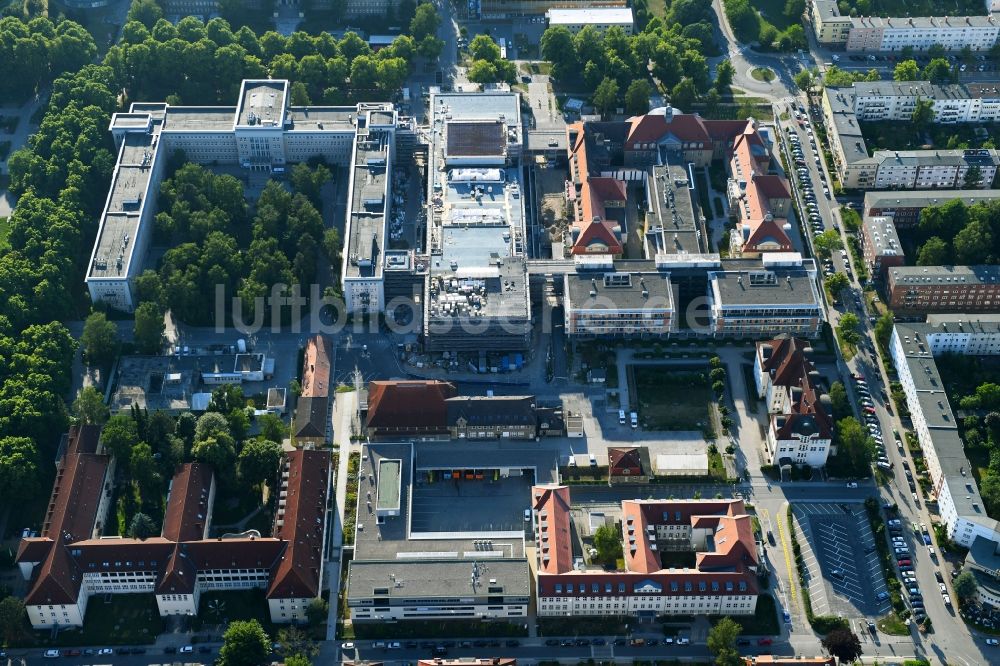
913,347
875,34
723,580
896,100
904,207
931,289
899,169
880,245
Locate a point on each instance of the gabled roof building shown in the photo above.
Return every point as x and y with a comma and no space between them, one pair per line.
723,579
71,560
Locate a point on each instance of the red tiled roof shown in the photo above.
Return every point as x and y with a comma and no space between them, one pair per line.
33,549
398,405
608,189
624,461
728,563
298,573
664,578
650,128
551,507
763,233
787,363
187,510
316,368
772,186
597,238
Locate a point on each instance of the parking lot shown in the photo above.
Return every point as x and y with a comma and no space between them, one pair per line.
470,506
844,575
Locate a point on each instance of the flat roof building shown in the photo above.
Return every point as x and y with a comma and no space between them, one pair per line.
913,347
904,206
778,295
262,132
401,570
929,289
600,18
476,295
617,303
880,245
876,34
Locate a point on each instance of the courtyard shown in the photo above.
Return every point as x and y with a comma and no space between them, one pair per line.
674,398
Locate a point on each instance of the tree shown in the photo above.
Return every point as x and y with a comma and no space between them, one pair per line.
923,113
482,71
637,97
974,243
836,283
19,478
149,328
854,445
425,21
258,461
684,94
317,611
934,252
272,427
883,329
847,328
965,585
146,12
142,465
208,425
557,47
838,400
297,660
120,434
89,407
843,644
722,642
226,398
295,642
906,70
606,96
12,616
99,339
245,642
828,242
608,542
724,76
482,47
972,180
142,527
219,451
937,70
804,80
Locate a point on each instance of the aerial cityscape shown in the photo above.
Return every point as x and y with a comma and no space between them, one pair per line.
485,333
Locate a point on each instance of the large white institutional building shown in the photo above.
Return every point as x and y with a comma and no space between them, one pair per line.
263,132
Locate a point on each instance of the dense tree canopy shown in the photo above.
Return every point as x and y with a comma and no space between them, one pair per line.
35,52
245,643
974,232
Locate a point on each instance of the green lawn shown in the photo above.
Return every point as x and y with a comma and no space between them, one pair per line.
220,608
892,625
764,621
762,74
127,619
670,399
774,12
